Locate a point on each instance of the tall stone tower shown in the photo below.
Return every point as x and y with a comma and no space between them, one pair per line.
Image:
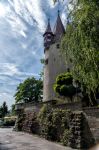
54,61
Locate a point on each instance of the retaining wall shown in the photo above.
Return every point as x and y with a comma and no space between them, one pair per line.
90,122
92,116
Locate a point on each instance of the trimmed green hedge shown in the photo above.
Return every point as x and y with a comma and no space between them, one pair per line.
64,85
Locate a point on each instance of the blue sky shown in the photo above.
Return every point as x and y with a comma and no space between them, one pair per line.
22,24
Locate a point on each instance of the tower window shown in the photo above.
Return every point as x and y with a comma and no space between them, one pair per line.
70,60
46,61
57,46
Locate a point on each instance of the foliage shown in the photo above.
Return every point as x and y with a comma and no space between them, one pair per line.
43,120
50,123
35,126
65,137
3,110
53,123
81,43
20,121
29,91
13,112
42,61
43,112
64,85
9,122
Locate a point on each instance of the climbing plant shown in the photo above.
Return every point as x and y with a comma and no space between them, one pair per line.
54,123
81,44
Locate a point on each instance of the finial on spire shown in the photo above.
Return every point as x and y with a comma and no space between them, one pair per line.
48,20
58,7
58,12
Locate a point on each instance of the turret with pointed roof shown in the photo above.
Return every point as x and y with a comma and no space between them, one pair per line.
48,36
59,29
48,29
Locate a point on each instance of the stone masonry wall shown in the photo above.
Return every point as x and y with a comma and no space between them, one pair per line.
84,124
92,116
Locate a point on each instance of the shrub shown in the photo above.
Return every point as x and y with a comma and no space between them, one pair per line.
9,123
19,122
43,112
65,78
44,119
64,85
53,123
65,137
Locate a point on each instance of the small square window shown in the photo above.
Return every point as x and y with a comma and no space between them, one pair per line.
46,61
57,46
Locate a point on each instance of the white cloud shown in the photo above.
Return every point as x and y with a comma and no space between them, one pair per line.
29,10
2,10
8,69
22,24
6,97
23,34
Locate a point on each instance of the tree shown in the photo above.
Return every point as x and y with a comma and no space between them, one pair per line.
64,85
3,110
13,112
81,44
29,91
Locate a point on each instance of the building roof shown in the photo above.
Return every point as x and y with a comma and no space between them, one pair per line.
59,29
48,29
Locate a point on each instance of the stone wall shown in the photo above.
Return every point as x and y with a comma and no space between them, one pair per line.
81,135
30,123
84,123
92,116
84,128
71,106
36,107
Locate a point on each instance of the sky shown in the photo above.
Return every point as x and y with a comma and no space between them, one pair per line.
22,24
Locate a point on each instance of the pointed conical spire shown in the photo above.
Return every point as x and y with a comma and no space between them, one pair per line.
48,36
59,29
48,29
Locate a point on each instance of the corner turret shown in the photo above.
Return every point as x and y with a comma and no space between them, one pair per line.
48,36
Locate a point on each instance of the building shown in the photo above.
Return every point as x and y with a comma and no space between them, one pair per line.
54,60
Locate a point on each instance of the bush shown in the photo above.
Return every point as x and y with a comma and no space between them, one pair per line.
65,137
44,119
9,123
64,85
53,123
20,120
65,78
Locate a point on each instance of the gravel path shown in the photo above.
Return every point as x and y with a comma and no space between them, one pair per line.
11,140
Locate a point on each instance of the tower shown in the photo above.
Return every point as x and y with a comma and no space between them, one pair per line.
54,61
